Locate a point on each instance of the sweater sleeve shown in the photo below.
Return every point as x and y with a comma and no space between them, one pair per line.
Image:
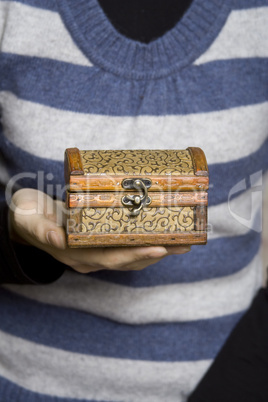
24,264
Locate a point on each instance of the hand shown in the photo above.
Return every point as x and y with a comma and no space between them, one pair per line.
37,220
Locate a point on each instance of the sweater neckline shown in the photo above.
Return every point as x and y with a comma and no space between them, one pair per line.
109,49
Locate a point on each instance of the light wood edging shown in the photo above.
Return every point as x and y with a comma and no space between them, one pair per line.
159,183
103,200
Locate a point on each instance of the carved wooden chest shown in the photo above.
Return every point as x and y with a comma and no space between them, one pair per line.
136,197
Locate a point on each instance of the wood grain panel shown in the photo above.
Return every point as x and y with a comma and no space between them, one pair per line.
121,240
199,161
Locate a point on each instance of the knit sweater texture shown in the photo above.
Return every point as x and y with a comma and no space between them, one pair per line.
69,78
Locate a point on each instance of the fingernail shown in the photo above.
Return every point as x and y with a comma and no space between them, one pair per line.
54,239
185,249
179,249
157,252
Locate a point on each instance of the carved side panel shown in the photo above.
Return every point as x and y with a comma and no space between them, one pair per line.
73,221
201,218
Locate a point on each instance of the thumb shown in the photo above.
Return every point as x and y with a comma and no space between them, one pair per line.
47,233
36,229
56,238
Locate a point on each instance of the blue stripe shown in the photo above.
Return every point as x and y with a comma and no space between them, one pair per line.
45,4
245,4
223,177
220,257
11,392
209,87
79,332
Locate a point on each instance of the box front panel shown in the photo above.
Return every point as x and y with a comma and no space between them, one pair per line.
150,220
100,220
114,227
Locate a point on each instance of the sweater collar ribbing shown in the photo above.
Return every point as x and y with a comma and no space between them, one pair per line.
109,49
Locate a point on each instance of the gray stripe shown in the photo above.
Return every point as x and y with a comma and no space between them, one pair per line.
32,126
243,30
32,31
71,375
165,303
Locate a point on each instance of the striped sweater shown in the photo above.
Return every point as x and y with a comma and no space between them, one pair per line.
68,78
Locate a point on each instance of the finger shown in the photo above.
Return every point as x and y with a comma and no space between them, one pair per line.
118,257
138,266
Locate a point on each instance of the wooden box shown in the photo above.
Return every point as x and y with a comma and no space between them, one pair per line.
136,197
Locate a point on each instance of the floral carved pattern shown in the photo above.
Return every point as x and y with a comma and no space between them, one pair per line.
150,220
138,162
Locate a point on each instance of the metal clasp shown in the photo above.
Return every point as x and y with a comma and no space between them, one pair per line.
137,202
